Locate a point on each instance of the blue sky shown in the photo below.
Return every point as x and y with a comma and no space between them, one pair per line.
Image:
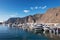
21,8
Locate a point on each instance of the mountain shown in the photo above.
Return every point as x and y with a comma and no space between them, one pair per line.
27,19
51,16
37,17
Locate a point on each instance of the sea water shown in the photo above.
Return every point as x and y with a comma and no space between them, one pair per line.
15,33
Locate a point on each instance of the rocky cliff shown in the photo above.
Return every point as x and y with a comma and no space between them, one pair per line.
51,16
27,19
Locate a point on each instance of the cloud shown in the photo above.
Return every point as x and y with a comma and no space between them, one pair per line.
31,8
44,7
26,11
14,15
40,7
36,7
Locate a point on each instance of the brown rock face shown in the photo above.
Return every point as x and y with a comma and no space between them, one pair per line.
30,19
51,16
38,17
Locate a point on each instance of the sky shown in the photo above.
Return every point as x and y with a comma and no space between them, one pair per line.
22,8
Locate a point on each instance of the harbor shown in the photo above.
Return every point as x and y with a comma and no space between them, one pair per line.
37,32
29,19
53,28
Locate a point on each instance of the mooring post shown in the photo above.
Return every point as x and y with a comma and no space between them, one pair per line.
57,31
54,31
49,31
44,31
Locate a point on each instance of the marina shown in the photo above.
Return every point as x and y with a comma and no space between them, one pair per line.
29,19
45,27
18,33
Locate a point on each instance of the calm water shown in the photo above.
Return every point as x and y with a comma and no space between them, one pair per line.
8,33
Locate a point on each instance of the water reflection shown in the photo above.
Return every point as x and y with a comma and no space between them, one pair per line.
15,33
